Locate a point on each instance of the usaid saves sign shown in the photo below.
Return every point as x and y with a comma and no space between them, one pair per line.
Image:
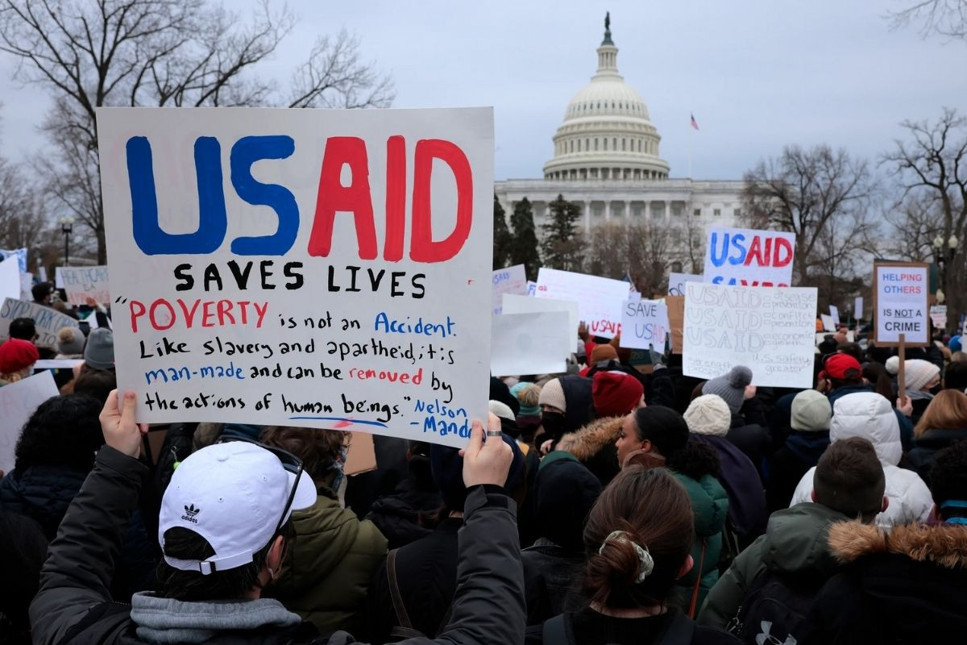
749,258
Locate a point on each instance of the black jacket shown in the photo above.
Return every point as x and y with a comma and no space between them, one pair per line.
552,580
926,447
787,465
74,606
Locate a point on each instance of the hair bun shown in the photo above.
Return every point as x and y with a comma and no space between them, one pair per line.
740,376
65,335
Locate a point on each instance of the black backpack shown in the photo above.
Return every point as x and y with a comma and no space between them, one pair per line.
775,610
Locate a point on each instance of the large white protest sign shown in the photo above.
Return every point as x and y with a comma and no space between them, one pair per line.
82,283
320,268
644,324
510,280
747,257
10,284
526,305
18,401
599,299
529,343
769,330
676,282
20,254
47,321
900,292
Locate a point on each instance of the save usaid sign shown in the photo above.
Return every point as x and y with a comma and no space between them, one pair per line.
749,258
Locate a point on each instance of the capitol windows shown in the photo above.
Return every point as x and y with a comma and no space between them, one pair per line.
587,144
639,145
597,210
614,143
697,212
595,144
622,145
717,212
737,213
636,211
605,144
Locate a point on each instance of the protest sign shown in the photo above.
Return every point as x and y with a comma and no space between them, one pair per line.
676,321
26,284
676,282
858,308
10,285
900,292
531,288
47,321
834,314
828,323
599,299
644,324
769,330
938,316
746,257
361,455
529,343
510,280
82,283
20,254
18,401
526,305
318,268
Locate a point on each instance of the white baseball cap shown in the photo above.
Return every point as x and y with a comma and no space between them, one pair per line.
236,495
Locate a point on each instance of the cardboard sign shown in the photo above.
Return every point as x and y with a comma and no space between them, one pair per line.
47,321
10,285
769,330
318,268
526,305
644,324
834,314
676,282
676,320
858,308
361,455
900,293
746,257
82,283
18,401
20,254
599,299
510,280
529,343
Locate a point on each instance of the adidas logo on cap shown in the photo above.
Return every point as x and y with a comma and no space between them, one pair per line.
190,513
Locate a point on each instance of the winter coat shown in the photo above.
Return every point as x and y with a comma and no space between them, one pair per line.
926,447
588,627
910,499
740,479
906,426
752,439
710,506
800,452
594,447
794,545
332,560
397,516
73,604
905,586
552,579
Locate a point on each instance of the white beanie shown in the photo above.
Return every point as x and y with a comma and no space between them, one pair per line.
502,410
709,414
811,412
553,394
919,372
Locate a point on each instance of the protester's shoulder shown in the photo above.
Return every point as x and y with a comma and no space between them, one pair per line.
592,438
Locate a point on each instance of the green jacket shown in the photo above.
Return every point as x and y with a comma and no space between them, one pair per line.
332,560
710,505
794,544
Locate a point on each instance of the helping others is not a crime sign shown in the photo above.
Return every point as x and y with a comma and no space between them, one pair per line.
901,291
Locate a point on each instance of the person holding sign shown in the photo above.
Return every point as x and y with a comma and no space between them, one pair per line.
240,495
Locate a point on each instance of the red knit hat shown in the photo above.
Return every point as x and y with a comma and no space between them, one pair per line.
841,367
16,354
615,394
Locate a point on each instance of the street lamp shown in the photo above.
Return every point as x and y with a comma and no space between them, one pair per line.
66,227
943,251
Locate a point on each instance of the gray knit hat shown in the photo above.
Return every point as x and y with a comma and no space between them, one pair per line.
70,341
731,387
99,353
811,412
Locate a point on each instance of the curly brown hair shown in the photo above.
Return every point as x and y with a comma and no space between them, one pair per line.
318,449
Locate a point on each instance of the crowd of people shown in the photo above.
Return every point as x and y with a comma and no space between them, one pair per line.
615,503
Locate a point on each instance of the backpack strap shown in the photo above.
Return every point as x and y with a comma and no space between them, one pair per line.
404,626
555,632
692,607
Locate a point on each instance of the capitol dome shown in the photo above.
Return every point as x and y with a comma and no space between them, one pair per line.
607,133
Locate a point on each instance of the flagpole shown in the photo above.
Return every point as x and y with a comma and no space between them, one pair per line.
691,133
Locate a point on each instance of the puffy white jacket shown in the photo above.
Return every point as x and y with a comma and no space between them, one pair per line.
870,415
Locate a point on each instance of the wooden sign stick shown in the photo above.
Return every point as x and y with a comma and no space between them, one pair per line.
901,380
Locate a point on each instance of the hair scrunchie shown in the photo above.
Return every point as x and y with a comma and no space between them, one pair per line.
646,562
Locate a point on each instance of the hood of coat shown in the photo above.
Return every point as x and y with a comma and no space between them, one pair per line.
871,416
796,540
592,438
944,544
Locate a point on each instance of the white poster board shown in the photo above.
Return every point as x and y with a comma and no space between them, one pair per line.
938,316
10,284
525,305
828,323
531,288
771,331
510,280
599,299
20,254
18,401
676,282
834,314
644,324
858,308
529,343
47,321
334,275
82,283
747,257
900,292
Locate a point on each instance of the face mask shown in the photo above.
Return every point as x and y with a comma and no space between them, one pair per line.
553,422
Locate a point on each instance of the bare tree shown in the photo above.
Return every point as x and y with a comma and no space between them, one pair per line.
820,195
945,17
932,166
914,223
162,53
642,250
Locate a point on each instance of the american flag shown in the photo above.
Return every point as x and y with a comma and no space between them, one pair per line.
694,122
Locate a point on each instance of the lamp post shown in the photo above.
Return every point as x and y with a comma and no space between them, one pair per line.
944,251
66,227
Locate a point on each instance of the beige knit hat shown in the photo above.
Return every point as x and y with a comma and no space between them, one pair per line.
709,414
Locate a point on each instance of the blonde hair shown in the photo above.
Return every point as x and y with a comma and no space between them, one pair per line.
947,411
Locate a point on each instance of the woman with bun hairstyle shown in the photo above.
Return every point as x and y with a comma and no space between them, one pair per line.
638,539
659,436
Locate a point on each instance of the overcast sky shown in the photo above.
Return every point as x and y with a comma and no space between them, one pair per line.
757,75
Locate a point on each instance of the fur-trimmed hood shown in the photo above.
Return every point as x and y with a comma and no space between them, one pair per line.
944,545
592,438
